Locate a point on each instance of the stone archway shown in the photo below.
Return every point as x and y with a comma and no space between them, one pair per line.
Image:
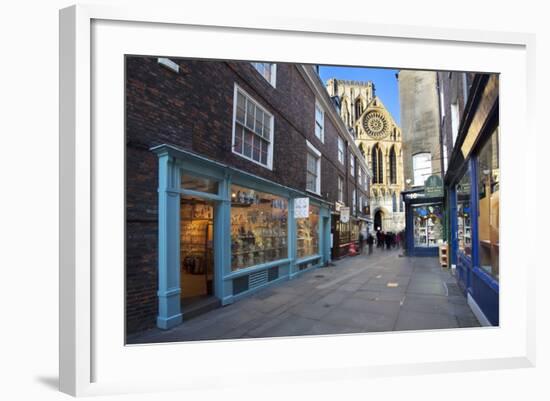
379,220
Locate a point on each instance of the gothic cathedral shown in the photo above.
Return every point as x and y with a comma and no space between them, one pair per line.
379,138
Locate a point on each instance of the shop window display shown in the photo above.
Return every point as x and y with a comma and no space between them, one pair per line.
464,218
307,232
428,225
259,224
488,222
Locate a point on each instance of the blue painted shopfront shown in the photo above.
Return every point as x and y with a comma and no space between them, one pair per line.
256,270
427,209
481,288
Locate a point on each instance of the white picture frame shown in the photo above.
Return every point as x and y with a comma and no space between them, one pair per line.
93,358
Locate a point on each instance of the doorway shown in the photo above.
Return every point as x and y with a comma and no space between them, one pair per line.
378,221
196,256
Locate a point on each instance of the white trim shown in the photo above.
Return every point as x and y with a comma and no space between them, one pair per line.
169,64
273,72
318,106
271,141
510,346
480,316
312,149
341,151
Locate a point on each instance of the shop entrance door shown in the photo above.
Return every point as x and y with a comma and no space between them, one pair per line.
196,256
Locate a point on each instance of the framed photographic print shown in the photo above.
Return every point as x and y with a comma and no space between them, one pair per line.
285,198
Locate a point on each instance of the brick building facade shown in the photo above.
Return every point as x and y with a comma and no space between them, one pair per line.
182,113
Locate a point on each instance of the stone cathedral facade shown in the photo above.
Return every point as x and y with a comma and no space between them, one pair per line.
380,140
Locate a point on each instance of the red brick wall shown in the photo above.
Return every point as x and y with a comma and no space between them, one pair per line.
194,110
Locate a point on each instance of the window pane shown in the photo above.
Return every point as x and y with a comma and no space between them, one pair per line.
464,225
248,144
258,227
200,184
250,114
489,205
239,139
259,121
256,148
428,225
307,234
310,182
267,127
311,164
241,107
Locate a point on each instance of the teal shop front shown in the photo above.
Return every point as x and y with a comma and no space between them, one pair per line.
225,234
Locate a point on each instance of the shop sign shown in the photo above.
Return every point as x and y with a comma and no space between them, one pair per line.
338,206
433,186
301,208
344,214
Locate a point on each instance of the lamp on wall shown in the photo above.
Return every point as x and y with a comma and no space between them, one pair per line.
408,182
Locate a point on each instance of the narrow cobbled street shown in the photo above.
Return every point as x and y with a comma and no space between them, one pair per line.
367,293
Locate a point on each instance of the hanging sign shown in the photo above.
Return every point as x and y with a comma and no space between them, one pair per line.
433,186
344,214
301,208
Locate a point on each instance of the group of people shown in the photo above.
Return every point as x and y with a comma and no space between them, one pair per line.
387,240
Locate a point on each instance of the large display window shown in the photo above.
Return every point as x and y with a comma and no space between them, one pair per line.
464,218
307,234
488,222
259,227
428,225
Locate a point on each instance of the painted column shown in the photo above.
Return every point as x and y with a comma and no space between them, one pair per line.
223,232
474,197
453,240
292,239
169,309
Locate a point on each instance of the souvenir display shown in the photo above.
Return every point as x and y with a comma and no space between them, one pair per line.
307,234
258,228
428,228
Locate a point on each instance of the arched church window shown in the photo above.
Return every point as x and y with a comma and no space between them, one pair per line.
393,166
358,108
377,165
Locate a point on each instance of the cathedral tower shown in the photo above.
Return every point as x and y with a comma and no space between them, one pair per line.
379,138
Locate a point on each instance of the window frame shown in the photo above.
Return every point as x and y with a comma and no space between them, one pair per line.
273,73
340,189
415,157
311,150
341,151
322,133
271,140
352,164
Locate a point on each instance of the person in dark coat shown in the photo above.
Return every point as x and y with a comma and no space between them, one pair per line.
387,239
370,242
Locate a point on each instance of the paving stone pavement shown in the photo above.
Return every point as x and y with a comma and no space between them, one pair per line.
366,293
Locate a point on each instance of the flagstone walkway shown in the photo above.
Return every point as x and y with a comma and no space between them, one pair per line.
367,293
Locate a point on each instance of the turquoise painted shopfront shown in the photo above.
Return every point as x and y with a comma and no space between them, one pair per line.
225,233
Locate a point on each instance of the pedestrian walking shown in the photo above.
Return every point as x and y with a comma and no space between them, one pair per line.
361,242
370,242
387,238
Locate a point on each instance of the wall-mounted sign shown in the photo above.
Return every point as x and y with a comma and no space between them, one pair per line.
344,214
301,208
433,186
337,206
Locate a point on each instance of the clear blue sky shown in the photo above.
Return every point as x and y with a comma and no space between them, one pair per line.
385,83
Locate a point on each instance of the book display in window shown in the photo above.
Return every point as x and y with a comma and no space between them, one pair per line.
428,228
